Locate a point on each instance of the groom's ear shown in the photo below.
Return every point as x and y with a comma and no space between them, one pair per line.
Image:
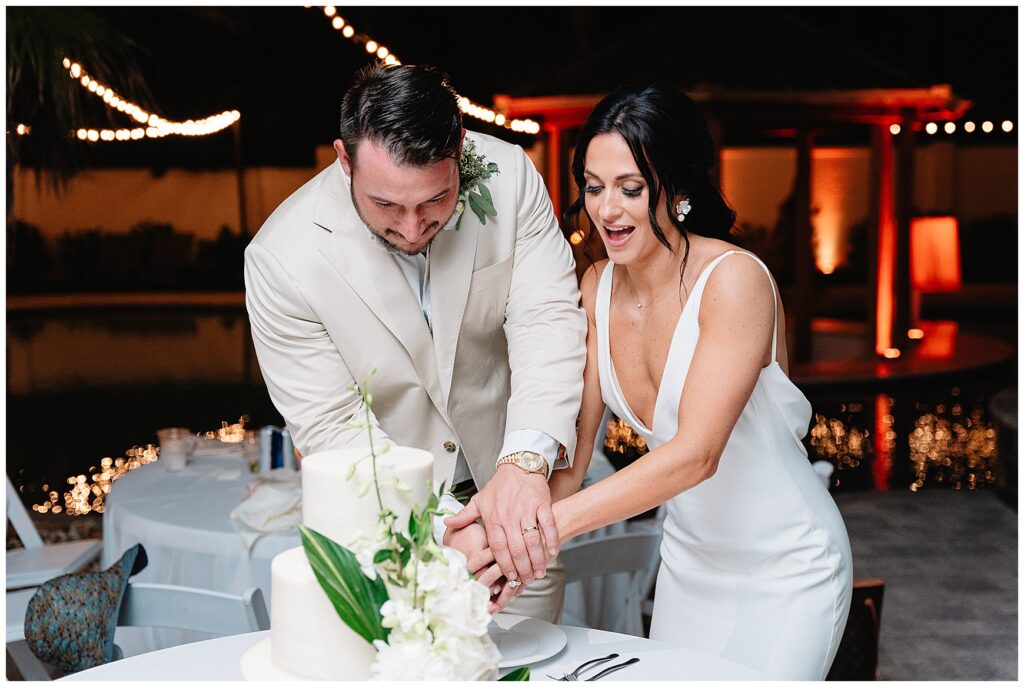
343,157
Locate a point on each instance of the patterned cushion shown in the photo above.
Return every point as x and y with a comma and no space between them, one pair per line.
71,619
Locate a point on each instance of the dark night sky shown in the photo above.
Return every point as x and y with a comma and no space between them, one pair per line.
285,68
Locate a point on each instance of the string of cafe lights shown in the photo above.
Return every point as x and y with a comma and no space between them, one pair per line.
969,127
468,107
151,125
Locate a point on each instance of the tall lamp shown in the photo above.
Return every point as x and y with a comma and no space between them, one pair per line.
934,261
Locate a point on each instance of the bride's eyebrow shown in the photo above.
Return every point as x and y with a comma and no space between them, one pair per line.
627,175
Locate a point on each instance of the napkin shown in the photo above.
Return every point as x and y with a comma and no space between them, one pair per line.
272,503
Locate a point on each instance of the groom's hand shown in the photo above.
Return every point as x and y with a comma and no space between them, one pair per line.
510,502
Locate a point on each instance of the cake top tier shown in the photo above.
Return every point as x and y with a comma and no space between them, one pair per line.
331,503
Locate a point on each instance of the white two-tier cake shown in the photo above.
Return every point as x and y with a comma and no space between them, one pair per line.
307,638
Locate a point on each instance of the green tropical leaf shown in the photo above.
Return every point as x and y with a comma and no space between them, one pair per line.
356,598
521,674
477,208
382,555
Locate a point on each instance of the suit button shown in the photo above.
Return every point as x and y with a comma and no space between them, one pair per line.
449,447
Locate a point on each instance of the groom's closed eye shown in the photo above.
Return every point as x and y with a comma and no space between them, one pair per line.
385,204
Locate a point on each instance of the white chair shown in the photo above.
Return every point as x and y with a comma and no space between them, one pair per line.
188,608
29,567
634,555
38,562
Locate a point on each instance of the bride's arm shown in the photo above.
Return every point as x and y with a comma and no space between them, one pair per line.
736,318
567,481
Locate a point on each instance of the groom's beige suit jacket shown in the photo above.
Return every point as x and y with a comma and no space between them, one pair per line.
327,305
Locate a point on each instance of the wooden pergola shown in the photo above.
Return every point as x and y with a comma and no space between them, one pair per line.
894,116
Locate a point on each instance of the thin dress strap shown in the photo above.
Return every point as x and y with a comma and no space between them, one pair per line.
775,298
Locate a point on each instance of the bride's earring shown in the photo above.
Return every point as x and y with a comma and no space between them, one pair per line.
682,209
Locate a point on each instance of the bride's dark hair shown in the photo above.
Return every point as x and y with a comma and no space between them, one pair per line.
669,139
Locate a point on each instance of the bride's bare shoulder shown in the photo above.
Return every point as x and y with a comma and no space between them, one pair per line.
589,282
739,285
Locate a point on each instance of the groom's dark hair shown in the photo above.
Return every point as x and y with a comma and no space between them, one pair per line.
410,110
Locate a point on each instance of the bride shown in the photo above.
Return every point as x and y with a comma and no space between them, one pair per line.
687,344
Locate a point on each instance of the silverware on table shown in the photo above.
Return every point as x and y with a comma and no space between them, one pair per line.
575,675
612,669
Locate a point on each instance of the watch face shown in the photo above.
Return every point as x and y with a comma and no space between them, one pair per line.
531,461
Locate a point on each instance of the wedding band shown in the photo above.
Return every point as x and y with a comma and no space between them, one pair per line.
514,583
531,528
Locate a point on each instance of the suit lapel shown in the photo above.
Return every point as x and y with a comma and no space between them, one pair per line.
451,269
375,277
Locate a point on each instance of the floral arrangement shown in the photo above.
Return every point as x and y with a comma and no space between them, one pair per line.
410,597
473,171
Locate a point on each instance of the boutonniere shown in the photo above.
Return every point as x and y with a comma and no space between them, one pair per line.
473,171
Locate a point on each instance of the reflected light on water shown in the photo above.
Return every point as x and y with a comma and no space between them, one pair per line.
959,451
622,439
948,446
83,497
86,494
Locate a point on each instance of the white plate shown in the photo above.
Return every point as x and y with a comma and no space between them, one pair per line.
523,640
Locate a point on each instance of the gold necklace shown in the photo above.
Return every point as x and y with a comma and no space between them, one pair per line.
629,285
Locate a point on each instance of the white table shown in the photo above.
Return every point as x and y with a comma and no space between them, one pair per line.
218,659
183,521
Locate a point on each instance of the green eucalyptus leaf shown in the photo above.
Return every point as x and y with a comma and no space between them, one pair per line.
521,674
485,201
492,167
477,208
485,193
356,598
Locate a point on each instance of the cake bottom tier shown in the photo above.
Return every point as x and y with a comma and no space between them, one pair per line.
308,638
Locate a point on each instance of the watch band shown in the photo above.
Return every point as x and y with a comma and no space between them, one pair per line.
516,459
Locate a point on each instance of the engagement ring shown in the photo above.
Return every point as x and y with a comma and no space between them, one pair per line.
514,583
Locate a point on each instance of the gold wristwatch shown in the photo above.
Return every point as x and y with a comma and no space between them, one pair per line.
525,460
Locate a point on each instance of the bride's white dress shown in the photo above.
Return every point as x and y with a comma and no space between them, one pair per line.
756,565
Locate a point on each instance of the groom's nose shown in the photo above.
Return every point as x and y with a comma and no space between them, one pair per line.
413,228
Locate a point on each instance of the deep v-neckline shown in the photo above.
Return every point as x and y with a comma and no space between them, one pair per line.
626,407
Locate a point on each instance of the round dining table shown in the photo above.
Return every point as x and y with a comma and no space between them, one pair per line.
220,659
183,519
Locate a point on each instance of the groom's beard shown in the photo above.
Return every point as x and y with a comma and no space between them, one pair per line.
432,231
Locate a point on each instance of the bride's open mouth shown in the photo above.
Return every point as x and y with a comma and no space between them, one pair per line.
618,235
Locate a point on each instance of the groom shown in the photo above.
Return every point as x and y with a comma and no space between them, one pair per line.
468,310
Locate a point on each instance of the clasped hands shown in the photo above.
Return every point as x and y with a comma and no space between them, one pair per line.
518,536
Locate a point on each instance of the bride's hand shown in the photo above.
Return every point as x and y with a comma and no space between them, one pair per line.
501,591
471,540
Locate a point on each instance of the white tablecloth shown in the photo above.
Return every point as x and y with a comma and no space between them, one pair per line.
183,521
218,659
